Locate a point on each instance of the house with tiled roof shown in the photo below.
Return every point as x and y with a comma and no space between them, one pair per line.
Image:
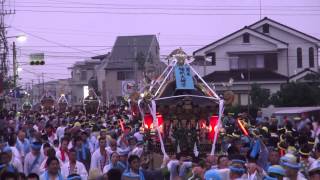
267,52
132,58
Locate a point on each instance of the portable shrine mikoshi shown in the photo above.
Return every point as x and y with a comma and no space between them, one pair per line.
26,106
91,103
181,105
62,103
47,102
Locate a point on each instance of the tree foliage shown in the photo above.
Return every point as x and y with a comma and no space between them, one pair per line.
259,96
297,94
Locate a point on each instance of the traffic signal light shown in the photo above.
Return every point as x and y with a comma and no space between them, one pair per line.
37,59
41,62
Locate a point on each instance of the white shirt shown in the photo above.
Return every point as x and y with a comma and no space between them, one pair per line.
59,156
80,169
98,161
110,151
139,136
42,177
106,168
299,177
43,168
30,158
52,138
15,153
252,176
17,164
60,132
22,151
36,128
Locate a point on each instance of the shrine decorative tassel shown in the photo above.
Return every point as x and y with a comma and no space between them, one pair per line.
221,109
153,112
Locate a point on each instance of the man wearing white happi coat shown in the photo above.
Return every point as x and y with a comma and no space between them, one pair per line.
63,154
16,163
74,166
100,157
33,159
23,145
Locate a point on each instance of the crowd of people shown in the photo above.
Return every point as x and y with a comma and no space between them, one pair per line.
110,145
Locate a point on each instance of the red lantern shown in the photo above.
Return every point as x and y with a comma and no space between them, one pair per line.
148,121
212,126
160,122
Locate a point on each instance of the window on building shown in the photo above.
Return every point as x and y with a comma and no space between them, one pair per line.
121,75
125,75
234,62
299,57
271,61
311,57
83,75
212,57
265,28
254,61
246,38
259,61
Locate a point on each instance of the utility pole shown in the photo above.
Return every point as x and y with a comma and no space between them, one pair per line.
249,87
3,39
260,8
14,64
32,91
135,61
39,89
42,83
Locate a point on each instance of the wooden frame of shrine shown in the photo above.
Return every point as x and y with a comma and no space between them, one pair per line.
91,104
190,111
62,104
47,102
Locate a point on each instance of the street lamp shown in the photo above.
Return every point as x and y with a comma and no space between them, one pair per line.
21,39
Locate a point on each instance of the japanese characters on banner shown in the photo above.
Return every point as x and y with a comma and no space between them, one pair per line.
183,77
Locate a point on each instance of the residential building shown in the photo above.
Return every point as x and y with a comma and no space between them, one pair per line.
267,53
83,76
51,88
131,60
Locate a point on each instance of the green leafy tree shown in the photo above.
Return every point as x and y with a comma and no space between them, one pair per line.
297,94
259,96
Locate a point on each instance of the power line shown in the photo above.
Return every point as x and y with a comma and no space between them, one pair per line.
56,2
167,8
53,42
36,74
164,13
